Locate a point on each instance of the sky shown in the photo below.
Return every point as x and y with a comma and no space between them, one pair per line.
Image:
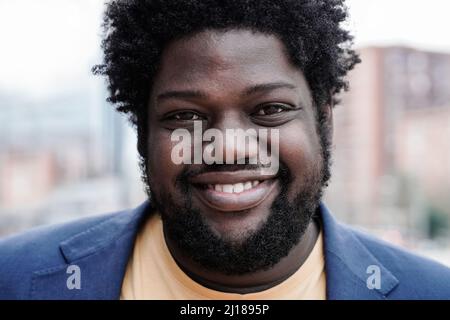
47,45
418,23
50,45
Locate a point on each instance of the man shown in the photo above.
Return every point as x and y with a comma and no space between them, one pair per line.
219,229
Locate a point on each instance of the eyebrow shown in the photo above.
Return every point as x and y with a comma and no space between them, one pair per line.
191,94
268,87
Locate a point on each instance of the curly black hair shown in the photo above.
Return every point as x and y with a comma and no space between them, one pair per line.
137,31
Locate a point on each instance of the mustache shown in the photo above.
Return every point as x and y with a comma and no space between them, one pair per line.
190,171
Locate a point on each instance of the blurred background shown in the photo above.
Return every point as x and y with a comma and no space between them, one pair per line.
64,152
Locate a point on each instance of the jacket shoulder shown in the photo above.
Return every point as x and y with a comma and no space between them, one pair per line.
419,277
39,248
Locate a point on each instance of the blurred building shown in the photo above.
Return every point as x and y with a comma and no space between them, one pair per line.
392,141
25,178
62,158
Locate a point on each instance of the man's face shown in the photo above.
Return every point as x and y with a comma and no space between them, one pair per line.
209,77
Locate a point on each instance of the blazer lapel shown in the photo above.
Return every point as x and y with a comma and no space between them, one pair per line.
98,255
347,263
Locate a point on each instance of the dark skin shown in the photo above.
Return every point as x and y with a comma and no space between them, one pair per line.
207,77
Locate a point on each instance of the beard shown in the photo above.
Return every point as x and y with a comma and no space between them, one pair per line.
262,248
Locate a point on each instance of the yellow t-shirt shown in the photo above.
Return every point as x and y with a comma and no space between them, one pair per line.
153,274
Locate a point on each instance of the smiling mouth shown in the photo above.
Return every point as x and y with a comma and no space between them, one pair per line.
232,191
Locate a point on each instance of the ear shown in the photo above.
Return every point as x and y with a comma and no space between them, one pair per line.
328,118
327,110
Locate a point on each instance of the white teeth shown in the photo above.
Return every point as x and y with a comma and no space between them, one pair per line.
228,188
234,188
238,187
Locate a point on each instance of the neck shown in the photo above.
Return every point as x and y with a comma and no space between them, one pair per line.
252,282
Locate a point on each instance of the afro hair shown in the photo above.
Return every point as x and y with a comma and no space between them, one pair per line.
137,31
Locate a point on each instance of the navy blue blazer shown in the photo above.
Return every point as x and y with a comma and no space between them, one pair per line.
37,264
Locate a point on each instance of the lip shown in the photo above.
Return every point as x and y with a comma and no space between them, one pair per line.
229,177
232,202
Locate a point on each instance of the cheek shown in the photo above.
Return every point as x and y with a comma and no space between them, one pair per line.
162,170
300,150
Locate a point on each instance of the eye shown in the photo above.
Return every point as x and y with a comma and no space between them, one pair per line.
185,116
272,109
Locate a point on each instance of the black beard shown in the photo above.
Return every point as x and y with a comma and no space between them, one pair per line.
282,230
261,249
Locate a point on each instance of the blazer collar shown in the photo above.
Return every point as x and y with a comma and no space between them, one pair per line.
347,261
102,252
103,234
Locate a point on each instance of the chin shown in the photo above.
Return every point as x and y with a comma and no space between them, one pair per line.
237,227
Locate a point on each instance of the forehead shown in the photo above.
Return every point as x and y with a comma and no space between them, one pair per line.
226,61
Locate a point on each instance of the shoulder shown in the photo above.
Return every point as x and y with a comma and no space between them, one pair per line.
23,254
419,277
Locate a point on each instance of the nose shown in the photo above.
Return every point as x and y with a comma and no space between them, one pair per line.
239,144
